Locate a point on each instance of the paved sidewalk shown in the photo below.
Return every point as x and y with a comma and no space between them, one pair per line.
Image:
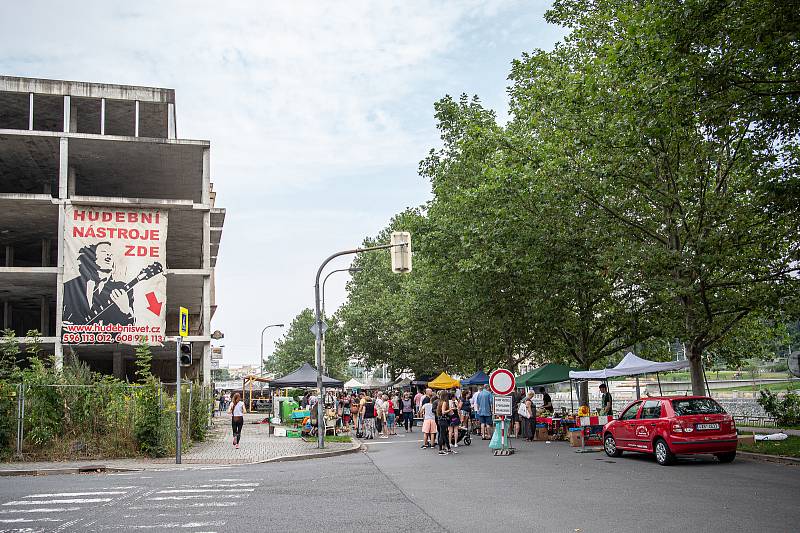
257,446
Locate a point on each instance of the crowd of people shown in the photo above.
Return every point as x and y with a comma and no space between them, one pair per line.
446,416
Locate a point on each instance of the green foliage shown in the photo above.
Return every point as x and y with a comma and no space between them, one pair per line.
201,411
786,409
297,347
9,354
645,188
148,408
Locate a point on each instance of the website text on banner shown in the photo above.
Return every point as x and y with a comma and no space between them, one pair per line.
114,285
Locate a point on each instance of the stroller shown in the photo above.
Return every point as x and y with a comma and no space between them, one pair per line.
463,435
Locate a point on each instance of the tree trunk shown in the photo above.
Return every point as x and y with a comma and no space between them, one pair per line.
583,393
696,370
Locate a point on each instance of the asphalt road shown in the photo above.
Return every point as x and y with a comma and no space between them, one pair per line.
395,486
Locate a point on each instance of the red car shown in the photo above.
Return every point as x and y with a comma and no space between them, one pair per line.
670,426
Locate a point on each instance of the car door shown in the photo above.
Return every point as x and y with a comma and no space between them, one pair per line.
646,425
626,426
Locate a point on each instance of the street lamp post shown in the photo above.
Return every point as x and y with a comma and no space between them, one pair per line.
318,330
352,271
261,363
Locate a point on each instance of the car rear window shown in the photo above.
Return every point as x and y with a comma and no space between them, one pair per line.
696,406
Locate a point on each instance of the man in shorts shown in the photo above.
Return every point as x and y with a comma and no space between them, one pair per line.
485,404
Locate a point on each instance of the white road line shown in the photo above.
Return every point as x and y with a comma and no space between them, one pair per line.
190,496
21,520
178,491
63,494
73,500
40,510
231,479
187,525
179,505
219,485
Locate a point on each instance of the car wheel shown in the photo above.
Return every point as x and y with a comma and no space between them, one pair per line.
663,455
726,457
610,446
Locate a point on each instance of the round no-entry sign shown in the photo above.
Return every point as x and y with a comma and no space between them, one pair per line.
501,381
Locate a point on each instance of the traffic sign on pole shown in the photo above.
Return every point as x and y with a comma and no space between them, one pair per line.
183,325
502,382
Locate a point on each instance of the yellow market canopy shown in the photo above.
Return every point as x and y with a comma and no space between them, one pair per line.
444,381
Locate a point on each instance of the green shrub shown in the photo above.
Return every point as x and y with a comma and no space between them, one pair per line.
785,410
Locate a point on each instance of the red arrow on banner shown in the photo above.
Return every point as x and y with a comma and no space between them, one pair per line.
154,304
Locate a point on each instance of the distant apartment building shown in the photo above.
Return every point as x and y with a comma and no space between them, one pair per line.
107,224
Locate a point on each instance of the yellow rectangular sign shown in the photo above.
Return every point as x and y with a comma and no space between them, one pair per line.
183,325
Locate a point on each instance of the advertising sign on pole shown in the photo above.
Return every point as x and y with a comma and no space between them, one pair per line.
114,287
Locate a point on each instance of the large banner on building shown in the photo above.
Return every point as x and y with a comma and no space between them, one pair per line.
114,285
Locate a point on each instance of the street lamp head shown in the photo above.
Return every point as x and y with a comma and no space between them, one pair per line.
354,270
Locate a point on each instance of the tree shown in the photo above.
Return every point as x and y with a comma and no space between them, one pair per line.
686,140
297,347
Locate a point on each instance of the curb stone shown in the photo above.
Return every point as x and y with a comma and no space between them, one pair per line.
100,468
762,457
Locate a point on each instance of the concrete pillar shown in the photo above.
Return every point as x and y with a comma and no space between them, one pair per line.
206,176
71,179
171,128
63,166
136,119
30,111
206,363
9,255
45,252
102,116
67,110
44,316
119,366
59,348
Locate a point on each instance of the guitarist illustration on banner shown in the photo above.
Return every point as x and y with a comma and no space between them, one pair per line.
94,296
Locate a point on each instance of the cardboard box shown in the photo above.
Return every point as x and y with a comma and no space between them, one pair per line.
541,434
575,438
747,439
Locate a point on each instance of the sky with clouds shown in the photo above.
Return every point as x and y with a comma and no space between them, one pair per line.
318,114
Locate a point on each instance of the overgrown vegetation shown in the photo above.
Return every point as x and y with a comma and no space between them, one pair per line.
785,410
77,413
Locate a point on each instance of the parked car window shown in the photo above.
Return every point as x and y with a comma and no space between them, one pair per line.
696,406
630,412
651,409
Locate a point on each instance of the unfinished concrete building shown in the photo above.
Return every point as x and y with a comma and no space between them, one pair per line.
65,143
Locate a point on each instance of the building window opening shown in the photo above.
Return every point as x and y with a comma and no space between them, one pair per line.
48,112
84,115
14,110
120,117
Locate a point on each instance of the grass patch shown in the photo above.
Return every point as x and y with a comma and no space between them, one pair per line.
789,447
774,387
330,438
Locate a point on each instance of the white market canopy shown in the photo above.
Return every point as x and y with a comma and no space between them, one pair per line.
631,365
353,384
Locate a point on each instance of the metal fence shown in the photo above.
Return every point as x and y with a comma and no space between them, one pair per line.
755,421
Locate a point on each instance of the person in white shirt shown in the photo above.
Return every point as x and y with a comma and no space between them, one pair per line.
237,412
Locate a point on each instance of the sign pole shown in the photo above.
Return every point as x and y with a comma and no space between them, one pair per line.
178,400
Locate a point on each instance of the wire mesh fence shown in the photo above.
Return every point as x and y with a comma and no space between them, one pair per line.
106,419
